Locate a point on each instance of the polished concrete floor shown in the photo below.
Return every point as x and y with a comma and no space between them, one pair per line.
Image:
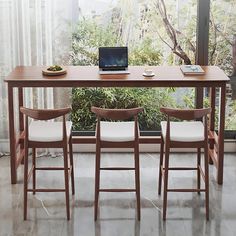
185,214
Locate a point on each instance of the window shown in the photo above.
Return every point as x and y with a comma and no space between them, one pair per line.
222,49
156,32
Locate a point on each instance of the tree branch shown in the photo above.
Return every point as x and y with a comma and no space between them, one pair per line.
163,40
212,22
234,55
191,46
171,32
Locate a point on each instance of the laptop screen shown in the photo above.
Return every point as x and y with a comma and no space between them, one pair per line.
113,57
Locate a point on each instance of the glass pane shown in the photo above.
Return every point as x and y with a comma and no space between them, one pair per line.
156,33
222,50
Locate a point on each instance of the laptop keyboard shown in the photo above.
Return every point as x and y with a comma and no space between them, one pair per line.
113,72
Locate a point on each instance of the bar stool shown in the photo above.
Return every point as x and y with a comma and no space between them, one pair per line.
184,134
124,134
42,134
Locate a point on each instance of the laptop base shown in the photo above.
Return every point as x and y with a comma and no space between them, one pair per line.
113,72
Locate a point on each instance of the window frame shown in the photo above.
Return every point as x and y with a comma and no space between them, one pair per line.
202,44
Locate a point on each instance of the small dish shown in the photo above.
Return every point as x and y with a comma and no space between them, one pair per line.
148,75
50,72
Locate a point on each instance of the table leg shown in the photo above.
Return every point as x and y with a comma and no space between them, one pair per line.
21,119
199,98
220,154
212,118
12,136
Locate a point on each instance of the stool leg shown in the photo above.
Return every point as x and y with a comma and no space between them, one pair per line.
97,179
167,151
66,181
206,180
34,171
137,178
25,181
72,167
160,166
198,171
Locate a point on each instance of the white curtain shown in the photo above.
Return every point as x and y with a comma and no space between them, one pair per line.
34,32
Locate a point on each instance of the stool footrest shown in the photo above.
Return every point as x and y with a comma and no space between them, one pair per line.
50,168
117,168
186,190
182,168
116,190
46,190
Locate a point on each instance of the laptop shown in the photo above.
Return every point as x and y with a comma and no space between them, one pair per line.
113,60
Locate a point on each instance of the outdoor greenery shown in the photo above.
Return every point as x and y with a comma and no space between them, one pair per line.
222,31
89,36
157,35
150,99
222,47
86,41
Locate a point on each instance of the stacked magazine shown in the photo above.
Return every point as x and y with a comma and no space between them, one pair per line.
192,70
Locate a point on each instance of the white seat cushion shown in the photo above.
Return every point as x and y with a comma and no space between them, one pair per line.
43,131
186,131
117,131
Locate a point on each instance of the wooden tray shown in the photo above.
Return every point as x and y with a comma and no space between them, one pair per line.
53,73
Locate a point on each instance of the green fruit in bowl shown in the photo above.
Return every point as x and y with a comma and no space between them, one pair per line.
55,68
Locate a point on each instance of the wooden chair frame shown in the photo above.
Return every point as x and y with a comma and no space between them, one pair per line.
117,114
47,114
163,170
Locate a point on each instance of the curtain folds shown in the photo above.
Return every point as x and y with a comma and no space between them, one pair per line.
34,32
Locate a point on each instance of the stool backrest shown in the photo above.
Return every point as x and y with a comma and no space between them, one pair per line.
117,114
186,114
45,114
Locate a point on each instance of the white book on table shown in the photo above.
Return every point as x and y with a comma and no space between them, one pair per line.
192,70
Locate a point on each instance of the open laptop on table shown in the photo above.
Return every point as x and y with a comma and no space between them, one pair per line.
113,60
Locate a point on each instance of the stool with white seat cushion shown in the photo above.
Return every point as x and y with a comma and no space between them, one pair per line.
123,134
47,134
184,134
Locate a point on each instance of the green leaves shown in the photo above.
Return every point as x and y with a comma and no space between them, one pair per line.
151,99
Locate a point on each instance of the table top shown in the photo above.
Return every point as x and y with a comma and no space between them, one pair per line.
88,76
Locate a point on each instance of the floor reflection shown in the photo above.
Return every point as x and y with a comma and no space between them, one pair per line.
117,211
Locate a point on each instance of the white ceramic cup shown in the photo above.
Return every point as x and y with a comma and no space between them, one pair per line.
148,72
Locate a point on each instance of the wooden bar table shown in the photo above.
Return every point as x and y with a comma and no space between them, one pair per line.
88,76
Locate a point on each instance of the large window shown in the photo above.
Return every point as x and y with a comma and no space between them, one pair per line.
156,32
222,49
